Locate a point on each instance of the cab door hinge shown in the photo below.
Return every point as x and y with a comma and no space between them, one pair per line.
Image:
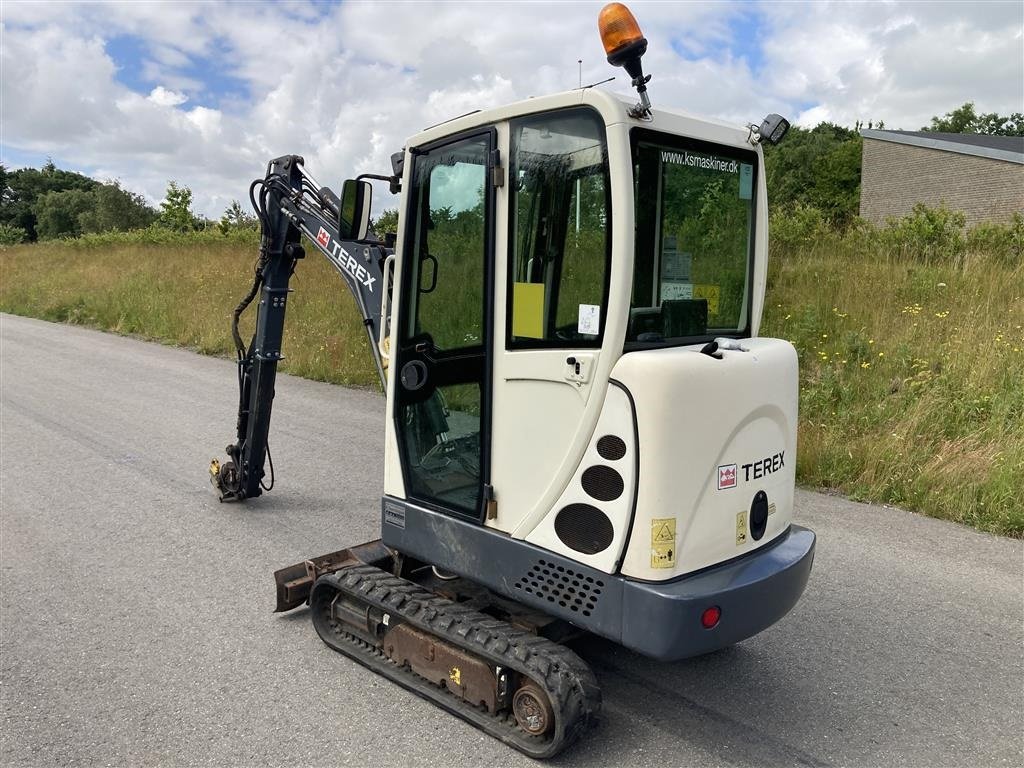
497,171
490,503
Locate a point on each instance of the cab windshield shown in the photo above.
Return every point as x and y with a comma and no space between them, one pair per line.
694,240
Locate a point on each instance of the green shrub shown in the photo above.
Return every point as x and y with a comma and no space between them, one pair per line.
797,225
930,235
158,235
1002,242
11,235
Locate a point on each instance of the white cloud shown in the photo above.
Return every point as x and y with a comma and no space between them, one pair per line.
897,62
166,98
345,85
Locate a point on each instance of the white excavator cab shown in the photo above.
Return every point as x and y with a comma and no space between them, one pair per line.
563,272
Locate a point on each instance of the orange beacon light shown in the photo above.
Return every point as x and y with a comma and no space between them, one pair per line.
625,44
619,30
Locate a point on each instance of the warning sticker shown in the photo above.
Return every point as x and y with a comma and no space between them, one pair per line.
589,320
671,290
741,528
663,542
709,292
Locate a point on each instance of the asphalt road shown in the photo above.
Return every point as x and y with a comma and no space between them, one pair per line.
136,624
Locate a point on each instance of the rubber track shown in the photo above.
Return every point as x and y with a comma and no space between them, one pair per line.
564,677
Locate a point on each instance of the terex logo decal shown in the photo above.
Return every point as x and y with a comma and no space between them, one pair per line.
765,466
343,259
726,476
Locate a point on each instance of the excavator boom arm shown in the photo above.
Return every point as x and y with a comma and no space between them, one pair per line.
289,204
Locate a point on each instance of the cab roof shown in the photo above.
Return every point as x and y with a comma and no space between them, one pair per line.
613,108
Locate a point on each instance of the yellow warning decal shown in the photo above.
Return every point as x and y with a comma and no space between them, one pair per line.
709,292
528,310
663,542
456,675
741,528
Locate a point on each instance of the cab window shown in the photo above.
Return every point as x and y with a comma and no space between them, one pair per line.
694,241
560,230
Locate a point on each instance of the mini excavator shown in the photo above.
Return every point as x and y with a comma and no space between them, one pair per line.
584,431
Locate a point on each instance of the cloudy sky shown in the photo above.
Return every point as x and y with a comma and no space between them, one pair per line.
206,93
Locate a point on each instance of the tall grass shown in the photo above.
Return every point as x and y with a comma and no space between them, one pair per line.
181,290
911,341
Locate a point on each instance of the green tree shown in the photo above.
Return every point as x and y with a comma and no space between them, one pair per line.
819,168
997,125
177,209
116,209
23,188
386,222
960,120
836,189
58,214
965,119
6,193
235,218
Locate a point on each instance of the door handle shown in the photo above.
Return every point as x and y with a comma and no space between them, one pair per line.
577,368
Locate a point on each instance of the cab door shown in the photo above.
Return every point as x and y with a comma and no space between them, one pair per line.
442,404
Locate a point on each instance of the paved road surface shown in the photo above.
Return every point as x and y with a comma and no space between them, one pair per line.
136,624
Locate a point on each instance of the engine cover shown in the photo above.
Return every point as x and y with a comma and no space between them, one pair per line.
717,453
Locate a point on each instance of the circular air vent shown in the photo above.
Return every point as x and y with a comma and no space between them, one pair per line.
611,448
758,515
584,528
602,483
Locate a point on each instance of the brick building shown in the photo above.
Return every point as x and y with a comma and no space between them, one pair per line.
983,176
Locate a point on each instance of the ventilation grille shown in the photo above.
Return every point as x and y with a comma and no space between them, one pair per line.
562,586
584,528
602,483
611,448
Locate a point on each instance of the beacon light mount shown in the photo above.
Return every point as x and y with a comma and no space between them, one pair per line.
625,45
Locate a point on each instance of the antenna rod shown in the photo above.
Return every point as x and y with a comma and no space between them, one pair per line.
580,62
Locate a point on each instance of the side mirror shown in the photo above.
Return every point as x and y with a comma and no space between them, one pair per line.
354,215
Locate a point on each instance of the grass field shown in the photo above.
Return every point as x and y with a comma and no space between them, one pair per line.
912,377
912,357
183,292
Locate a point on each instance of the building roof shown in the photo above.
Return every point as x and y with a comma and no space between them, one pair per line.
1007,148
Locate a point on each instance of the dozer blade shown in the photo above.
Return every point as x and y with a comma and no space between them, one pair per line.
295,582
